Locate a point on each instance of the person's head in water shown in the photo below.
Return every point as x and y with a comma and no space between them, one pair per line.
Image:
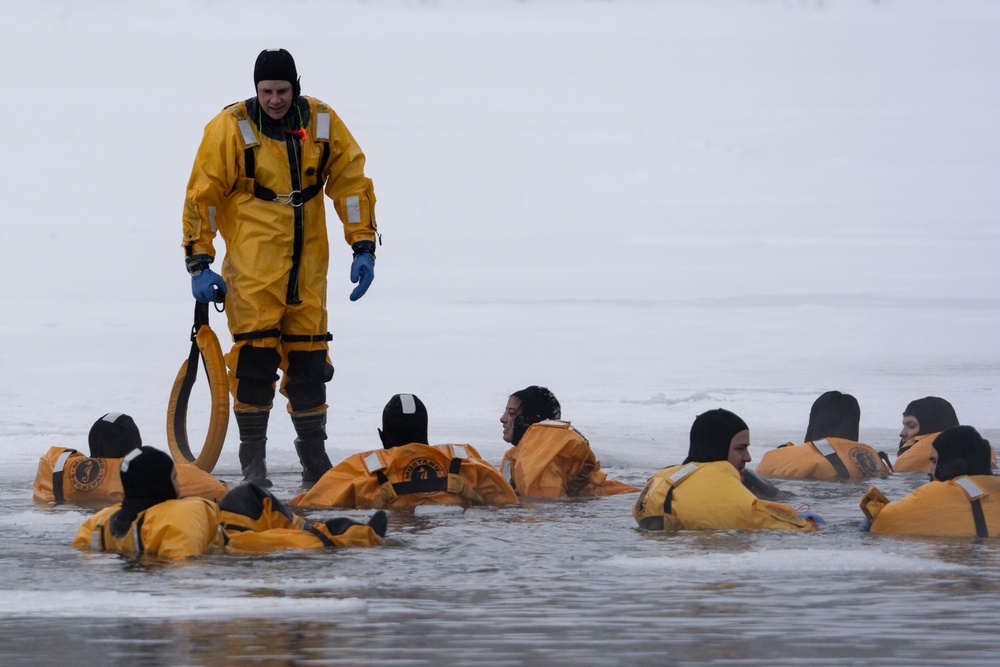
959,451
113,436
834,415
526,407
719,435
926,415
404,420
148,478
276,82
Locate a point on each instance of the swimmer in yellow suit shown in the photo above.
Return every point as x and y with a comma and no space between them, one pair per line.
67,476
706,492
152,521
831,451
962,498
407,471
549,457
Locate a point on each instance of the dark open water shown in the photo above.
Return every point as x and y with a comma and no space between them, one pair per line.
552,583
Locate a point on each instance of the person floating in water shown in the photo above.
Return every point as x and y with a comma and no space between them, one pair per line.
831,451
706,492
407,471
962,498
550,458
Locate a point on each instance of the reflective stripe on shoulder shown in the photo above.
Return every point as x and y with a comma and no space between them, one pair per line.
682,474
95,539
459,452
61,460
373,463
247,133
970,487
824,447
323,126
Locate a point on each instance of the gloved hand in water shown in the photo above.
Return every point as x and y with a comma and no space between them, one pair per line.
813,518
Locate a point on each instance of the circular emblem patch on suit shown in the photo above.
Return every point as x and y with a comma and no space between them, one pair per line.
423,469
864,461
87,474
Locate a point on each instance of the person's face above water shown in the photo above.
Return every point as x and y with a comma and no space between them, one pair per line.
932,466
510,413
739,450
911,428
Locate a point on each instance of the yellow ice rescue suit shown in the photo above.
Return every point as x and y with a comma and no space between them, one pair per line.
173,529
554,460
709,496
66,475
256,521
413,474
915,455
828,460
966,506
261,188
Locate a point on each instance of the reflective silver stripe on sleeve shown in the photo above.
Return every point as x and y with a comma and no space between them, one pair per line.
353,209
247,133
460,452
676,478
970,487
373,463
211,218
323,126
505,471
136,538
824,447
95,539
61,461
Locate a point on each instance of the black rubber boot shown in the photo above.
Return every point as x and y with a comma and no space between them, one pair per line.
310,445
253,446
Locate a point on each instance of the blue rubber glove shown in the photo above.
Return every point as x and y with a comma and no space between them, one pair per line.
204,285
864,525
362,268
812,516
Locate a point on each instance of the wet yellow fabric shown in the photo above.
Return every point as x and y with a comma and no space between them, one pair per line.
97,481
936,508
554,460
713,498
173,529
350,484
805,461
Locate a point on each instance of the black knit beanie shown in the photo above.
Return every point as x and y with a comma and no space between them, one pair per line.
276,65
834,415
961,451
113,436
146,481
711,435
934,414
537,404
404,420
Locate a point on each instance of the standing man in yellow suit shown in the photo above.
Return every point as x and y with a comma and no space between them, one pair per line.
258,179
